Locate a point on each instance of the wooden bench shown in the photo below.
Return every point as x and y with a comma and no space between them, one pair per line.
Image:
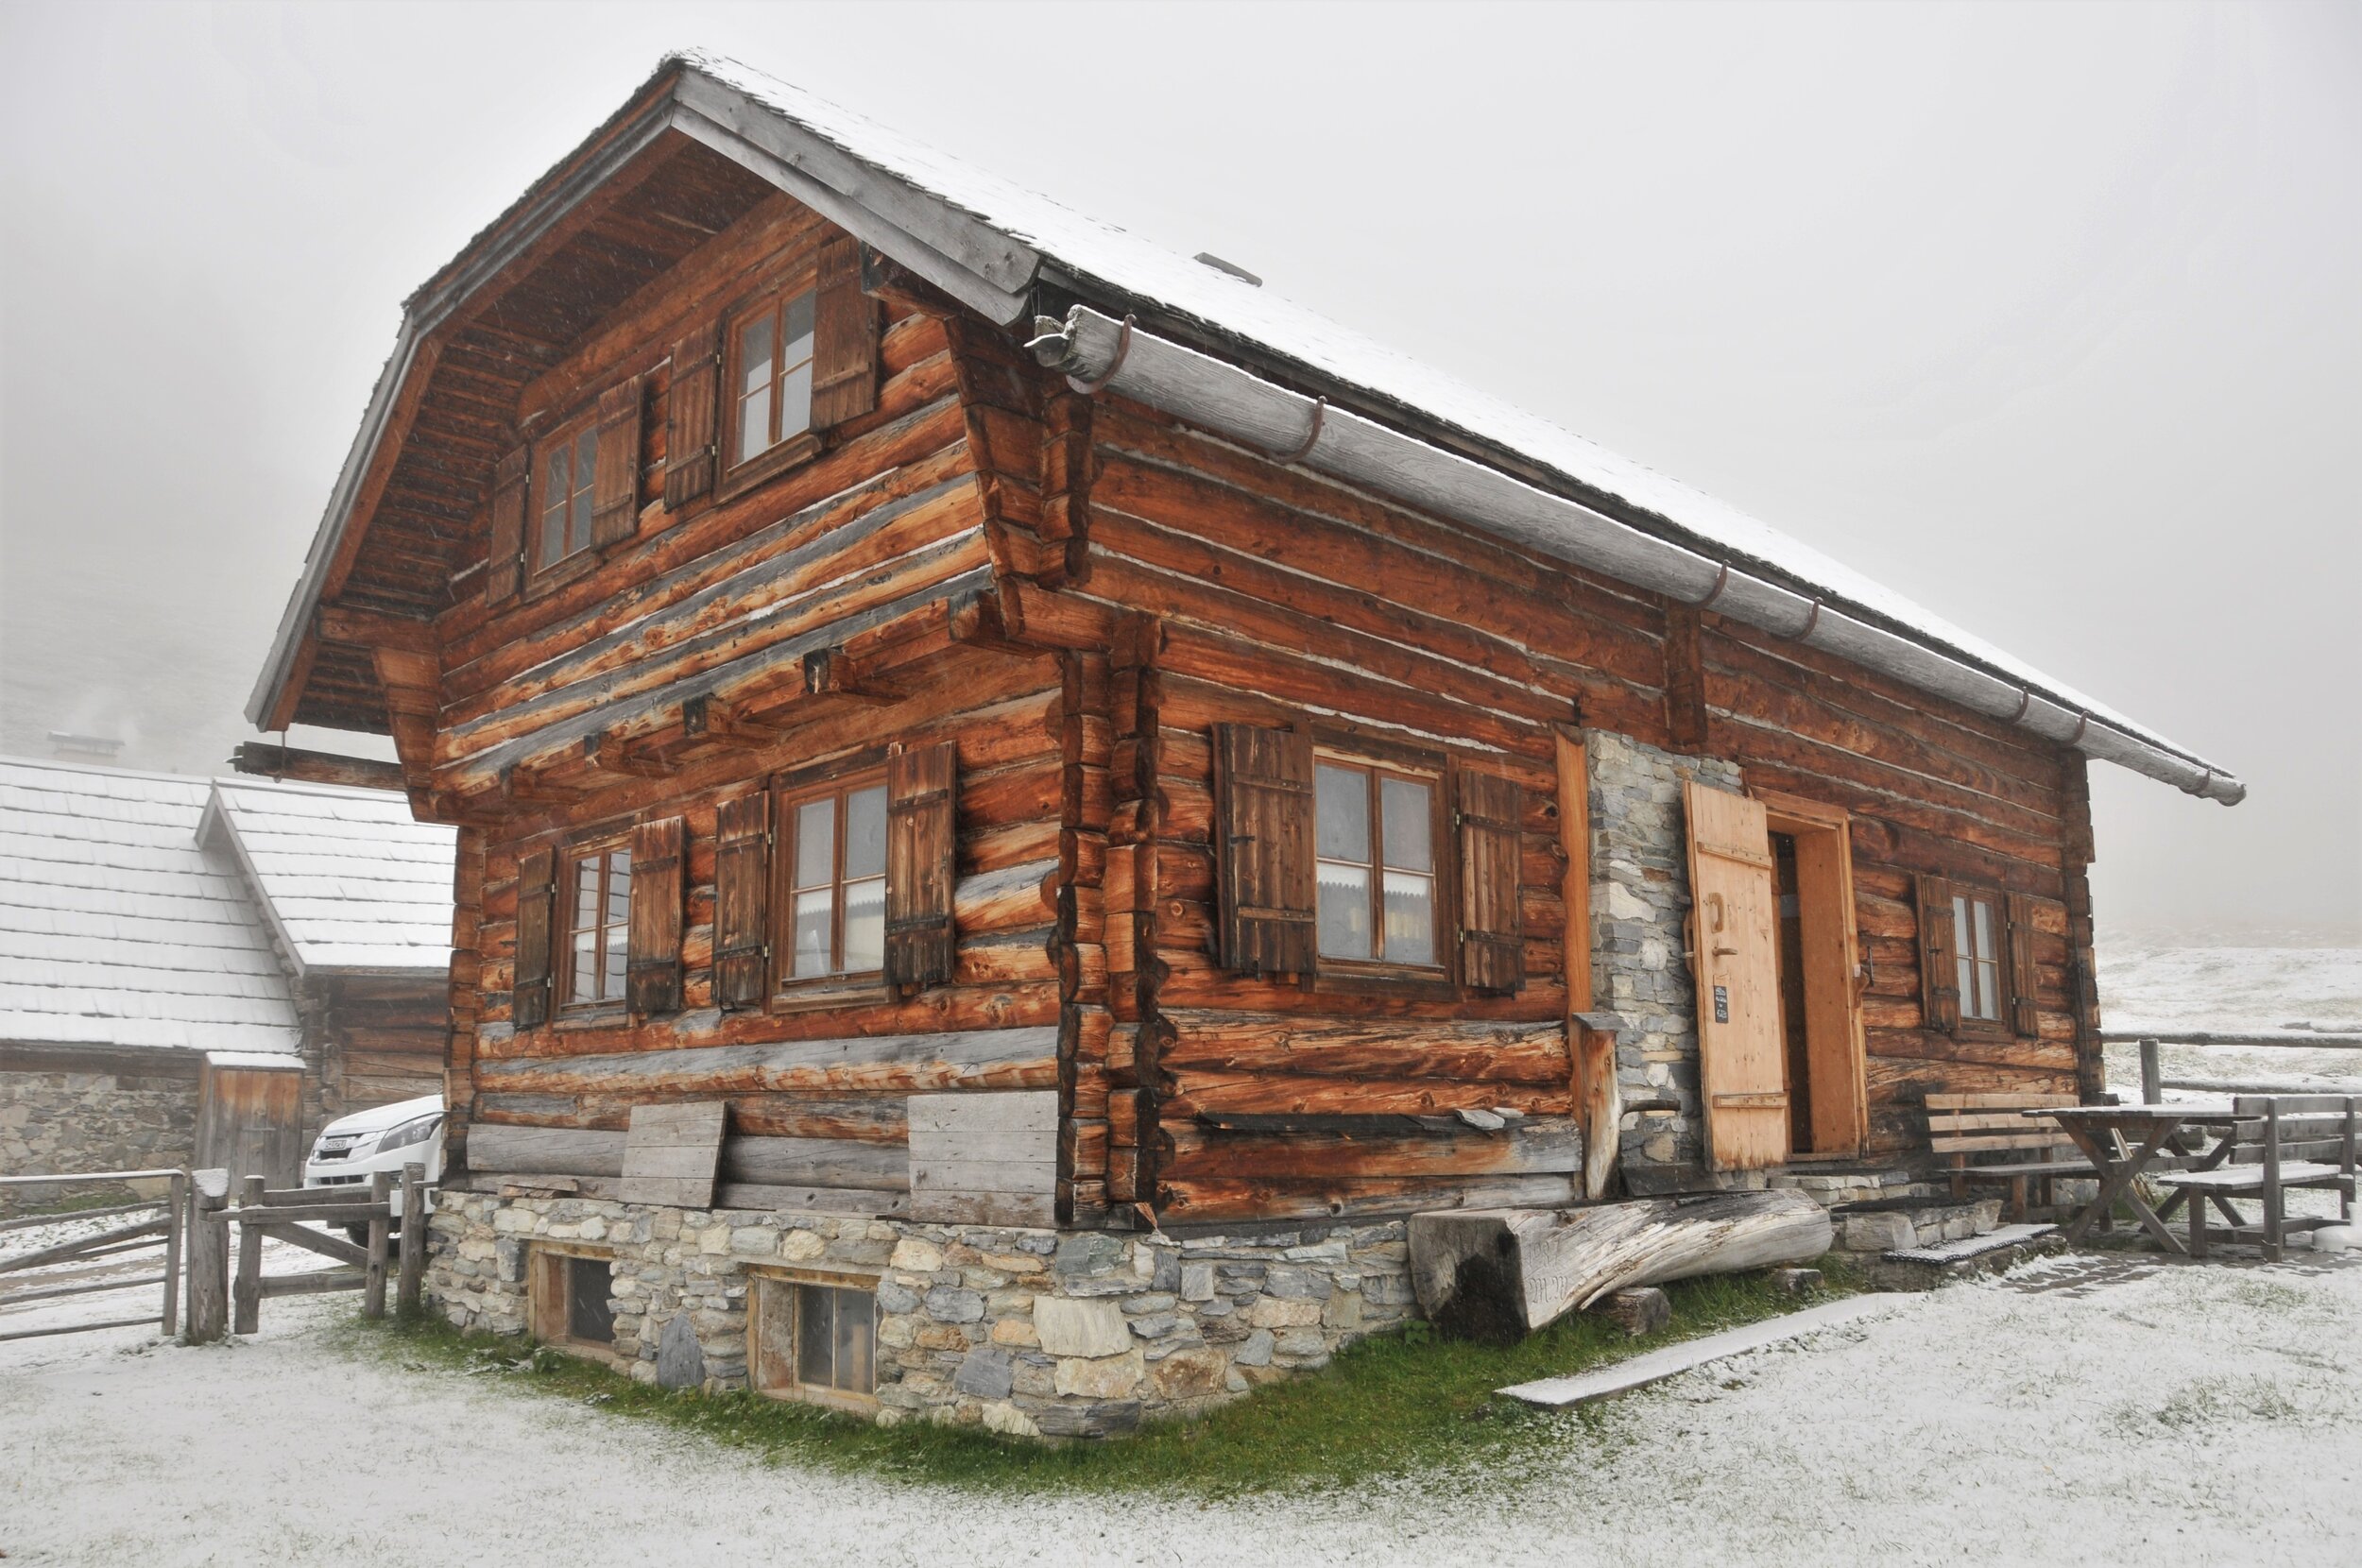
2303,1141
1962,1128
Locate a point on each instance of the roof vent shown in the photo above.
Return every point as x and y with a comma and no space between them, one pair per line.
1233,269
65,746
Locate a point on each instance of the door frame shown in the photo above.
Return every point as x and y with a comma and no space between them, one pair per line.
1835,1044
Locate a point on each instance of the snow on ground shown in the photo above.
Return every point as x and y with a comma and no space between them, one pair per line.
2086,1409
2233,989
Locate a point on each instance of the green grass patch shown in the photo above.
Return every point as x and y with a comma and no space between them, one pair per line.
1390,1406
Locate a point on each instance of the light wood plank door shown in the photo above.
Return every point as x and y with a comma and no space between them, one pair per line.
1741,1067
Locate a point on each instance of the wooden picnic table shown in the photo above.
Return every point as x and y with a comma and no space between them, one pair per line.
2122,1141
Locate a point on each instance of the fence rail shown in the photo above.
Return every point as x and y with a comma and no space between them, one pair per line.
218,1306
2154,1083
169,1230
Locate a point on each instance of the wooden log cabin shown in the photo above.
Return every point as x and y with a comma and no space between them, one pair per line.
1100,772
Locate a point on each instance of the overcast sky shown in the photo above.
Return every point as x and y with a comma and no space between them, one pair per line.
2048,316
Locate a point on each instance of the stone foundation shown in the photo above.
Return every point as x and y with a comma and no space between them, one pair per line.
69,1121
1032,1332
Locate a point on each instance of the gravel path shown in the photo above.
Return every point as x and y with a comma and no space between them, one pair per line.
2087,1411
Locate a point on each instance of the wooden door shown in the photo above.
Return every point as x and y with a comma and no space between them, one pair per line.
1742,1069
249,1120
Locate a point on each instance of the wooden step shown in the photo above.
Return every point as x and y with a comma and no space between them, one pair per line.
1657,1365
1928,1267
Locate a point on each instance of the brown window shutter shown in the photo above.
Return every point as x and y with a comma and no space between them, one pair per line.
529,997
2025,1014
651,975
922,840
843,337
1263,876
691,423
505,557
1492,936
615,477
742,888
1939,965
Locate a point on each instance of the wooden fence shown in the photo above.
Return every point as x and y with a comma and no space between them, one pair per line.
62,1271
218,1304
2154,1083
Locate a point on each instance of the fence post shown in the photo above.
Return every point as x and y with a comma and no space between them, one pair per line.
373,1281
248,1299
2152,1089
209,1257
413,1239
177,1222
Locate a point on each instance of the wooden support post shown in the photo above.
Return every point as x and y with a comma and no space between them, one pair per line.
413,1239
178,1223
2152,1089
373,1282
209,1257
248,1300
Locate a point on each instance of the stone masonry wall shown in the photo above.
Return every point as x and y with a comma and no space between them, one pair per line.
1029,1331
1640,896
67,1121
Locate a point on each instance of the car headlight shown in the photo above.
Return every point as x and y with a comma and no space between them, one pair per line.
417,1131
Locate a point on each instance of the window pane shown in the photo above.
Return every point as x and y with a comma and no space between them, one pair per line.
1406,812
815,1333
1984,928
589,1312
795,400
754,423
586,459
798,334
811,938
1988,989
754,385
1409,918
864,925
815,842
618,886
856,1327
586,892
1344,911
618,957
584,986
1342,796
865,832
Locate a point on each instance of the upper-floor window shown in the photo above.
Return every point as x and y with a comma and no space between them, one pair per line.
568,466
1374,859
770,375
1977,955
834,879
597,900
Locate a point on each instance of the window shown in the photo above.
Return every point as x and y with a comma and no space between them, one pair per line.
1375,858
598,901
1977,956
569,464
572,1297
833,880
770,379
814,1338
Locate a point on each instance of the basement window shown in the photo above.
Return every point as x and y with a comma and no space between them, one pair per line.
815,1338
572,1300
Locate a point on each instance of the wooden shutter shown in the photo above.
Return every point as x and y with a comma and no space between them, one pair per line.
742,890
1938,964
843,337
529,997
651,975
1492,938
615,476
693,423
923,839
2024,1016
1742,1067
1263,876
504,556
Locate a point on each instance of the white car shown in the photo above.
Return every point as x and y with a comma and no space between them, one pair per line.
385,1137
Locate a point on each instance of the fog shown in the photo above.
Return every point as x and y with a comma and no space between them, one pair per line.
2048,316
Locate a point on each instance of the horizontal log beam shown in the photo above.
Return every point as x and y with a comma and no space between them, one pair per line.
315,767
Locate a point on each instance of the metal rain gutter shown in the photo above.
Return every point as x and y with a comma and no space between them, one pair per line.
1097,351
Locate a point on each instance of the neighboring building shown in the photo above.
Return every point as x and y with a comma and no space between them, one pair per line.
1104,792
160,933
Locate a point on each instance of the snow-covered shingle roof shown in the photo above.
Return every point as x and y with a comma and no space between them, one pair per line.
350,881
139,909
116,928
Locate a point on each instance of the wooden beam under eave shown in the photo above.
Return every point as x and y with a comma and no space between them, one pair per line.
375,629
355,530
605,754
829,673
262,760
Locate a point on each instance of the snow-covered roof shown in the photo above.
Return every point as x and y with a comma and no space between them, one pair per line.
117,928
348,880
990,242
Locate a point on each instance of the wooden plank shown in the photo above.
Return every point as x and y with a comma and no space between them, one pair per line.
1654,1366
963,1146
672,1153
